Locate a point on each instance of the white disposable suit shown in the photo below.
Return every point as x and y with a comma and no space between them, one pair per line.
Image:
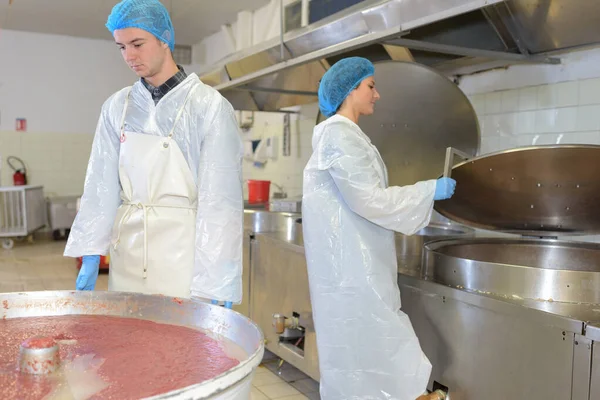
163,194
367,347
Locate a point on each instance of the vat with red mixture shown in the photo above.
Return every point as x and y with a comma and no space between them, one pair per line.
109,345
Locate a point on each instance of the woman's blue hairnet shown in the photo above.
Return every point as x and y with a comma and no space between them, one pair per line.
342,78
149,15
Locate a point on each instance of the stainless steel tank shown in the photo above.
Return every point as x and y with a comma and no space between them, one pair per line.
543,270
409,249
217,321
515,317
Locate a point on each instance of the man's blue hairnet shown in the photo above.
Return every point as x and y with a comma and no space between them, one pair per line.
149,15
342,78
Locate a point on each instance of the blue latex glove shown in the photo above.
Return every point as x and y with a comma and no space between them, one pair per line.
88,274
228,304
444,188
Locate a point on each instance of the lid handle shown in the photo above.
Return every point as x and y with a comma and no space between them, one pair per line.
451,152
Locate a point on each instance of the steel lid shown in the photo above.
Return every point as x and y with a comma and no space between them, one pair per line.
539,191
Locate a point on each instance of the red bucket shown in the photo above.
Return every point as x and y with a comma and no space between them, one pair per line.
258,191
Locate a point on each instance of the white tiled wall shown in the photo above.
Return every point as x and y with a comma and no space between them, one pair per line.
566,112
284,171
563,106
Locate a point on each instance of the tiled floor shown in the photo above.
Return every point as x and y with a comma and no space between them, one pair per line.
41,266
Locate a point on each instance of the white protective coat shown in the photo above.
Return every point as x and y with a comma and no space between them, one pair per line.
367,347
208,138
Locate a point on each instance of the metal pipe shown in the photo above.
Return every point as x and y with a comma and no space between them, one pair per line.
281,29
304,13
470,52
279,91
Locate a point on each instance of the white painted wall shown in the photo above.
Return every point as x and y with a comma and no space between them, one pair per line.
285,171
58,83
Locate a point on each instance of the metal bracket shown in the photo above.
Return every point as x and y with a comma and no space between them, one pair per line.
582,367
451,152
471,52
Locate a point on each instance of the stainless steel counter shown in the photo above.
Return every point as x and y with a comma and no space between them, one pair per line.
481,345
576,317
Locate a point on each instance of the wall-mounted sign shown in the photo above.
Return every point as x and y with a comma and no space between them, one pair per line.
21,125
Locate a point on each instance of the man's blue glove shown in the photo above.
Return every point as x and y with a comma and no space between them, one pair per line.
444,188
228,304
88,274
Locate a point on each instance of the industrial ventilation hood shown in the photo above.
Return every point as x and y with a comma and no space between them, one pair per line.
456,37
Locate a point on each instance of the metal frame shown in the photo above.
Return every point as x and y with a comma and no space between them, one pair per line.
389,37
484,59
469,52
313,56
271,90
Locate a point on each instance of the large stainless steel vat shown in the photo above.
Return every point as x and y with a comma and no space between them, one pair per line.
217,321
544,270
514,318
409,249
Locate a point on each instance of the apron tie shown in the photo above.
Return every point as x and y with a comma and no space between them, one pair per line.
144,207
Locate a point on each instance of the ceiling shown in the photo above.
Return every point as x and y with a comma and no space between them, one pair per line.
192,19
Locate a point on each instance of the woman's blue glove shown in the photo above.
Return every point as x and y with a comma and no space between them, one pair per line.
228,304
444,188
88,274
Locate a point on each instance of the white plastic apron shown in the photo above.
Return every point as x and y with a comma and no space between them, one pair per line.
154,234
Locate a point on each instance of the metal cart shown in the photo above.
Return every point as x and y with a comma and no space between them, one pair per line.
22,212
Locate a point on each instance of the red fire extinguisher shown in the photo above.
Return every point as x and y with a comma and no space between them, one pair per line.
20,175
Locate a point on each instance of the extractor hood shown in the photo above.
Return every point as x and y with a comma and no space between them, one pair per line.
456,37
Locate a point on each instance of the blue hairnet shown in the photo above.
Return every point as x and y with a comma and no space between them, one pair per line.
342,78
149,15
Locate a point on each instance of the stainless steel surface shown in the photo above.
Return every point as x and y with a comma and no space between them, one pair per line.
543,190
451,154
339,48
595,378
293,205
39,360
256,221
420,114
490,349
482,345
546,25
582,367
280,286
215,320
455,37
470,52
543,270
409,249
244,307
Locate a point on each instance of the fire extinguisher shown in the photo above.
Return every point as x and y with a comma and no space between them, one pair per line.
20,175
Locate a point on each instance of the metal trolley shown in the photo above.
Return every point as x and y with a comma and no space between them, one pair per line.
22,212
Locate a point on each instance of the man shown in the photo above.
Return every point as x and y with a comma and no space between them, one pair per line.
163,191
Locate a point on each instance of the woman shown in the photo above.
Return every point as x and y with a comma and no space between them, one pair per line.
367,346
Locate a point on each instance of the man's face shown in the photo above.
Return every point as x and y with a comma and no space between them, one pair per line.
141,50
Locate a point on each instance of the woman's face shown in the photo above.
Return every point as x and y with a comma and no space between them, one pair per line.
363,98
